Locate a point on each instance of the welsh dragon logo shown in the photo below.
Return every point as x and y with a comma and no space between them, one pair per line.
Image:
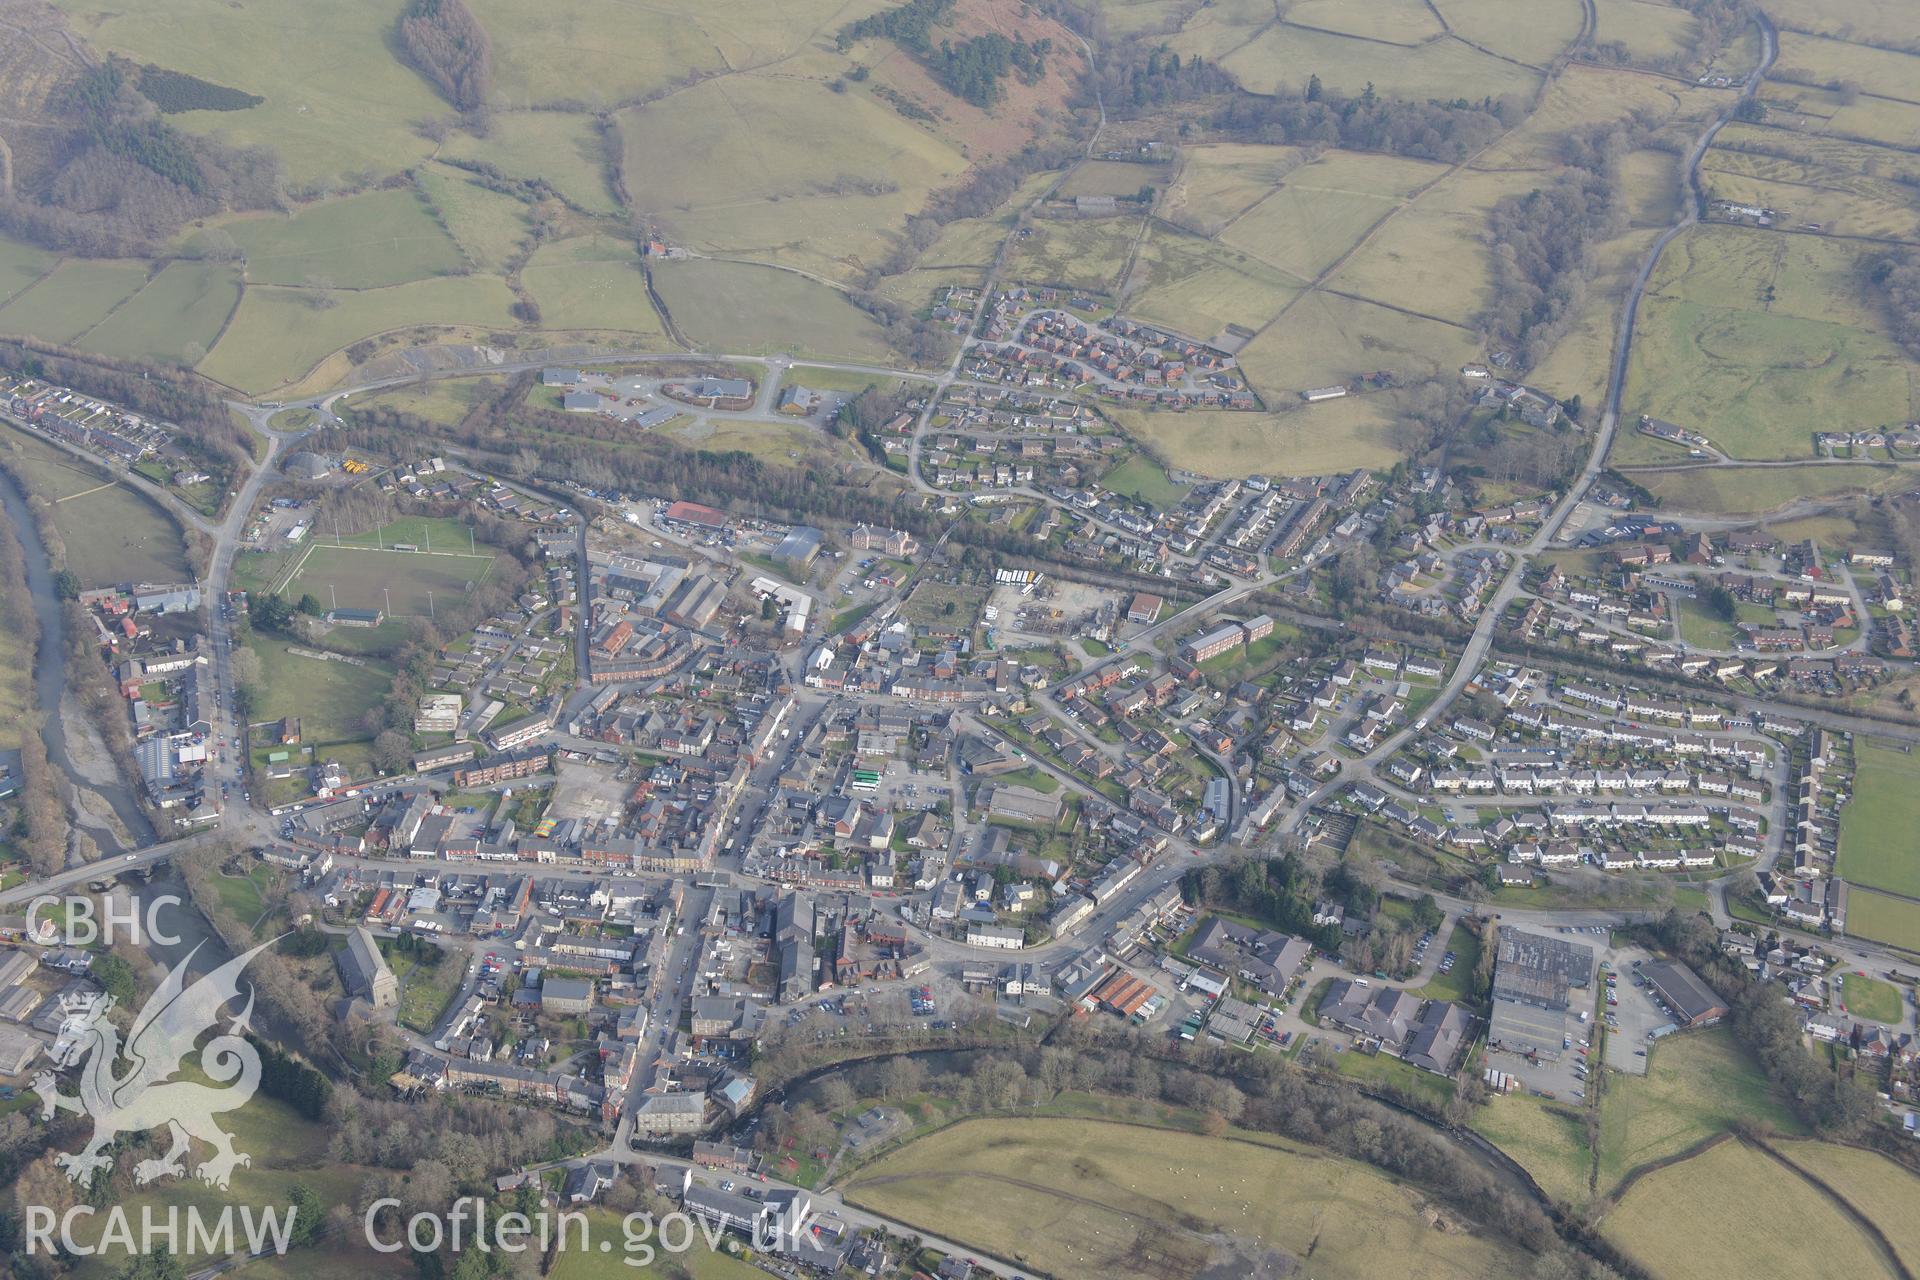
146,1096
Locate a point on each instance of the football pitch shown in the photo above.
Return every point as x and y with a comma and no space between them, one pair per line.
399,583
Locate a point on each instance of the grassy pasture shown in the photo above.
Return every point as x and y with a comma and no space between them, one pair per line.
1743,491
112,533
1549,1139
783,169
443,400
73,298
1756,338
174,319
1394,21
1200,287
1432,257
562,149
1113,178
592,282
1079,254
1141,477
1697,1085
1325,338
1730,1212
779,443
20,265
1125,17
1549,27
278,335
1649,31
1282,57
1877,824
993,1182
1840,158
1652,188
329,697
1812,59
362,242
1821,110
1884,22
1303,230
1873,1184
1216,30
755,310
1872,209
489,226
400,582
1310,440
1587,95
1580,362
1893,921
338,101
1219,181
573,51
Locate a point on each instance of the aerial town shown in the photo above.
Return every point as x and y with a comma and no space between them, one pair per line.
1062,643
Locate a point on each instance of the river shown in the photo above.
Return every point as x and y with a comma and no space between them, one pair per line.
50,686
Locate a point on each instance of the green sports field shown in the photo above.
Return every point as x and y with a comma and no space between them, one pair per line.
399,583
1877,847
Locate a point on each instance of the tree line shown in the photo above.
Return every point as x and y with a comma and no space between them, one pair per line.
1894,282
206,428
1543,241
446,44
127,179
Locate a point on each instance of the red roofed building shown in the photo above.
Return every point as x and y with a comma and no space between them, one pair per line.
694,513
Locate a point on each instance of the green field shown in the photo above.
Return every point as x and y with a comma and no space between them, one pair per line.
1077,1198
779,168
400,583
492,228
1549,1139
1649,31
175,319
112,534
1873,1184
1197,287
1086,254
1877,825
1143,478
1870,999
1732,1212
75,297
593,282
1701,628
20,265
1311,440
330,698
361,242
1283,55
1744,491
756,310
1757,341
279,335
443,400
559,149
1697,1084
1894,921
337,100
